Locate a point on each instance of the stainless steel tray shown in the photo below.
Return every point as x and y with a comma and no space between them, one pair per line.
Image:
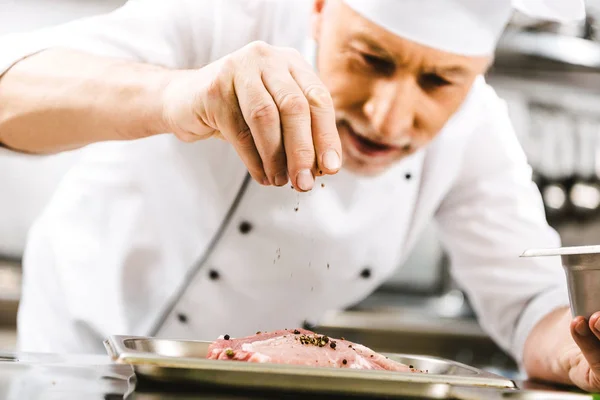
177,361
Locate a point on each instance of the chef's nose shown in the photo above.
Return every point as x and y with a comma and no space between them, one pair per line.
391,107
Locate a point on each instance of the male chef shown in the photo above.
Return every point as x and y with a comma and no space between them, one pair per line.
375,111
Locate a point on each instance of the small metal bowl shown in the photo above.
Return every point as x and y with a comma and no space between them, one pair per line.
582,268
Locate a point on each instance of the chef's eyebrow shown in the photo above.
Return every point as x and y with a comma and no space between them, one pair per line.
372,44
453,71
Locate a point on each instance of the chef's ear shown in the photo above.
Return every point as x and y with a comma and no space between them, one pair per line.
317,17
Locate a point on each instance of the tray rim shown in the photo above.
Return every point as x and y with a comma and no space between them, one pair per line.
119,353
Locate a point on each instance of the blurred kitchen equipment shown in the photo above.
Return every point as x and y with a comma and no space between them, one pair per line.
582,269
549,76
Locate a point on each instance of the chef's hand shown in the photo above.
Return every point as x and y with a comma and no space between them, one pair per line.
565,350
269,104
584,361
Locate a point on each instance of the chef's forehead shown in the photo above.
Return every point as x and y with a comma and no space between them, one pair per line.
466,27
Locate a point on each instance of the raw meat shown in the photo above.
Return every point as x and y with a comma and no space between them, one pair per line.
302,347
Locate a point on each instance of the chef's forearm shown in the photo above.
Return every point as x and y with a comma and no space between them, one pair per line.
60,99
546,348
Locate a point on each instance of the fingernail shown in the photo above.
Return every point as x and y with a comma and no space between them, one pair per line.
597,325
331,160
265,181
582,329
281,179
305,179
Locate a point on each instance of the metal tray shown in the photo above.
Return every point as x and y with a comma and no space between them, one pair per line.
178,361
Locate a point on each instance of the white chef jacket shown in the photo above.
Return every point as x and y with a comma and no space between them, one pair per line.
159,237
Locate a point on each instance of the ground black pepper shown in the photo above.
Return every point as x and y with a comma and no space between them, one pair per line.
296,332
332,345
410,366
344,361
342,338
315,340
322,185
226,337
258,333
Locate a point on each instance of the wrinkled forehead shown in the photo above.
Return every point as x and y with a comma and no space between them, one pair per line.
464,27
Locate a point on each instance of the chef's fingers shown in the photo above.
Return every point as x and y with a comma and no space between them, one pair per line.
587,340
262,116
325,135
231,123
294,113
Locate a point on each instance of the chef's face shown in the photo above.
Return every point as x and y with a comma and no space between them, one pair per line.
392,96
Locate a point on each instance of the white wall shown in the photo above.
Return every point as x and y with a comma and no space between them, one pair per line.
27,182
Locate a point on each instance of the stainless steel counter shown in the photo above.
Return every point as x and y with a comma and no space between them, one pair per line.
48,376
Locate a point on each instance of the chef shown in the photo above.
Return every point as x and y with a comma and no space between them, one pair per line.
375,112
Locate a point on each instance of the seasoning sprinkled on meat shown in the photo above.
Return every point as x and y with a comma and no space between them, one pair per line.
303,348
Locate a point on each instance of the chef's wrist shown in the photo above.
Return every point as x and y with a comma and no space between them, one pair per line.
544,351
151,97
177,109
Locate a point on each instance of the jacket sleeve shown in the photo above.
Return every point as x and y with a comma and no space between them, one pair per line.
492,213
175,34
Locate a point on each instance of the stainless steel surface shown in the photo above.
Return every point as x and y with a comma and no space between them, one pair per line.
467,393
75,377
562,251
185,361
419,330
65,377
582,269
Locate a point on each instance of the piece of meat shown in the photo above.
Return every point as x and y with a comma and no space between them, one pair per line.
302,347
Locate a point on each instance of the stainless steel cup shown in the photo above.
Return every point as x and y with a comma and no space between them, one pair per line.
582,269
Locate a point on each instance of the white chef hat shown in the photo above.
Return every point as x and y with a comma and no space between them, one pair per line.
468,27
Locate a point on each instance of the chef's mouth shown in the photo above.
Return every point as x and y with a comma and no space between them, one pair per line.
369,147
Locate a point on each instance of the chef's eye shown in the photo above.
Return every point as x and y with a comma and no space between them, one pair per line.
378,64
432,81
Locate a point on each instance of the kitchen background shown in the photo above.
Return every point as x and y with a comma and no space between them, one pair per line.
550,77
